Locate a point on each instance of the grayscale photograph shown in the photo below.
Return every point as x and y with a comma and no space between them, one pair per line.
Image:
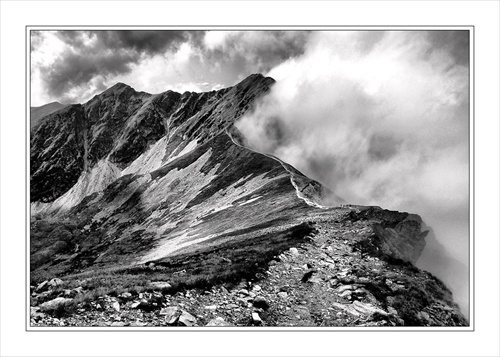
249,178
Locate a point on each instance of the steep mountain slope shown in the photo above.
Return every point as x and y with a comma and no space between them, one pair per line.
192,185
160,187
37,113
120,124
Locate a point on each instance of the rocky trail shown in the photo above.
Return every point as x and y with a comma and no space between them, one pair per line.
329,281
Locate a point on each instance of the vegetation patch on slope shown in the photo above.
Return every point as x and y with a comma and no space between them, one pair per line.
229,262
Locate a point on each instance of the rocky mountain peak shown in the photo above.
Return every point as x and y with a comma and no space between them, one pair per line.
117,88
254,79
115,95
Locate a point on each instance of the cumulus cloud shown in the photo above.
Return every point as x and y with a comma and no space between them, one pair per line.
379,117
68,65
256,51
71,66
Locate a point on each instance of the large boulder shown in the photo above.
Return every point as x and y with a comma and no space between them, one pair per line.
171,313
186,319
55,282
218,322
260,302
42,286
256,318
56,305
160,285
367,309
144,305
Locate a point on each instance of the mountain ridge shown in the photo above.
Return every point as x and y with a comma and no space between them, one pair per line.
123,130
37,113
129,180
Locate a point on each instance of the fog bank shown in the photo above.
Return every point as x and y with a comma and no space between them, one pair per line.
382,119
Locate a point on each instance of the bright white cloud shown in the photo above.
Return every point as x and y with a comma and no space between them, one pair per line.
49,48
216,39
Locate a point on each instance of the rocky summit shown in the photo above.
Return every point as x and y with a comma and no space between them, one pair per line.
150,210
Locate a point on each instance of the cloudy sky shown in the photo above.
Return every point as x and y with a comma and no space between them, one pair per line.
72,66
380,117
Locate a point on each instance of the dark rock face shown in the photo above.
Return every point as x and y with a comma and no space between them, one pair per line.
395,234
405,241
57,153
122,123
107,115
162,186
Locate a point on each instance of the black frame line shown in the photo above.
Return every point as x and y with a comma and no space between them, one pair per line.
469,28
243,27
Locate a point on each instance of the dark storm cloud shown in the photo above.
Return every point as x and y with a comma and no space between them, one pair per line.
91,60
92,54
270,47
150,42
257,51
456,43
74,70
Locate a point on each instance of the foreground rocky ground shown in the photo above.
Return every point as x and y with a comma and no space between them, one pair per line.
335,279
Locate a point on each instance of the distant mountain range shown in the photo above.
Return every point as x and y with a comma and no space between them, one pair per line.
37,113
